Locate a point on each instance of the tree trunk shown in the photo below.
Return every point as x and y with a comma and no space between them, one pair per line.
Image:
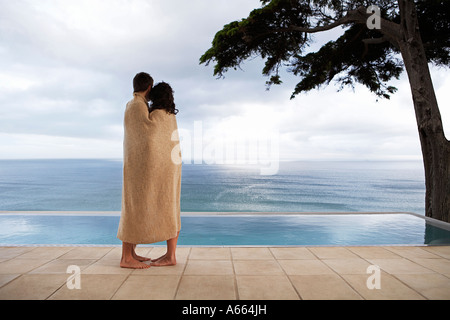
435,146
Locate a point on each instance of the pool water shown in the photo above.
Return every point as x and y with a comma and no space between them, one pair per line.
233,230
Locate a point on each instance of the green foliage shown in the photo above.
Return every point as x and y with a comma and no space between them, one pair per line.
240,40
434,21
348,60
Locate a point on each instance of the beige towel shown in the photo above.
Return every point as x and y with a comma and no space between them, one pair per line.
151,175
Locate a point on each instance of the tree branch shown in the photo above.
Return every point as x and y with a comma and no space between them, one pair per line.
391,30
359,16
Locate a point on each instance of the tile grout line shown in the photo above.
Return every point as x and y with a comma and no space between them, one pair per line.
50,295
65,282
181,275
370,263
393,275
12,280
236,288
339,275
23,273
408,259
287,276
126,278
435,253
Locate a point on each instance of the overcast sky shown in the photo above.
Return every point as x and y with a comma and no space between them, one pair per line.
66,70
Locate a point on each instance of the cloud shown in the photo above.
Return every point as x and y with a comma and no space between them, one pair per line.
66,71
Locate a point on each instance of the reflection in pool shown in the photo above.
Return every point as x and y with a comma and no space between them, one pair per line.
232,229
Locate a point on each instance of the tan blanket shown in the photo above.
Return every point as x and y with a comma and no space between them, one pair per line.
151,175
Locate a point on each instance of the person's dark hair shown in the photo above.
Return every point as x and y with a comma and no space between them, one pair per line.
161,97
142,81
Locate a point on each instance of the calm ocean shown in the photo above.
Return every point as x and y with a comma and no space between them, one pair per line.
96,185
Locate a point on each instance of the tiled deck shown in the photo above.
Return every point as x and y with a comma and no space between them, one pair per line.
228,273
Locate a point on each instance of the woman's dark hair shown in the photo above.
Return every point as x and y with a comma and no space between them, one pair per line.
142,81
161,97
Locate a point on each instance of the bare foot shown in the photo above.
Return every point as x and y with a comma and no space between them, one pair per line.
164,261
139,258
133,264
155,260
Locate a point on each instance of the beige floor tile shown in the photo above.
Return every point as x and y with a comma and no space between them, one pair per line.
227,273
210,253
87,253
93,287
292,253
442,251
142,251
156,252
390,289
348,266
257,267
265,288
373,253
209,267
399,266
45,253
32,287
305,267
148,252
106,266
155,271
324,287
433,286
140,287
12,252
6,278
116,253
14,266
332,253
207,288
251,254
439,265
181,253
61,265
412,252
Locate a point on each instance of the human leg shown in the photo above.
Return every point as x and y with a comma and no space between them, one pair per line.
128,260
169,259
137,257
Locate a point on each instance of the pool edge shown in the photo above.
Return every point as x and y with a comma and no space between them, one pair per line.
431,221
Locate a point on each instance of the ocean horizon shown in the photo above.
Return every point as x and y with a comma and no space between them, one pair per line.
299,186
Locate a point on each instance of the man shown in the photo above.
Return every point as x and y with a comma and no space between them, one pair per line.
135,147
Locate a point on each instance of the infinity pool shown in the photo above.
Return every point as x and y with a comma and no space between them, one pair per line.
232,229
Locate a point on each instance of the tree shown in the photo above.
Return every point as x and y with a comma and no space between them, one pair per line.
280,31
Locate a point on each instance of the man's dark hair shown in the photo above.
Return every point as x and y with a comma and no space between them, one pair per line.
161,97
142,81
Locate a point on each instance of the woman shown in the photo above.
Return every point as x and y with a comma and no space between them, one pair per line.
163,110
152,175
